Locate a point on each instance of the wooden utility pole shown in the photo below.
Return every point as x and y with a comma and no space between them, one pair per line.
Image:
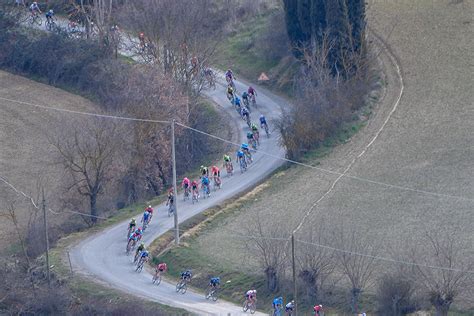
175,188
295,289
46,240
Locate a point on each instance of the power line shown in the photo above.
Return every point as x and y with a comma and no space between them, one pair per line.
239,236
19,192
352,253
340,174
115,117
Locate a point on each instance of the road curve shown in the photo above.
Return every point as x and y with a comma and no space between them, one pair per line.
102,255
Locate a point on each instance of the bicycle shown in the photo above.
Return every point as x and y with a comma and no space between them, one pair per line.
248,121
211,293
217,183
140,265
130,231
145,225
277,311
249,306
51,25
195,196
206,191
229,168
254,100
186,194
243,165
156,278
137,256
170,209
182,286
35,19
130,246
254,144
265,127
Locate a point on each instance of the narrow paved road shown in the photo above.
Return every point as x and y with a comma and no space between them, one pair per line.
102,256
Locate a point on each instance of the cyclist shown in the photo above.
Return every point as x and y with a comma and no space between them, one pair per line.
318,309
132,224
205,185
289,307
214,283
263,121
170,198
140,248
237,101
240,156
250,137
252,92
228,163
216,174
34,8
139,233
229,75
186,275
230,92
160,268
49,16
277,303
245,98
185,185
149,209
245,114
146,217
246,150
141,38
251,296
204,171
254,128
194,187
145,255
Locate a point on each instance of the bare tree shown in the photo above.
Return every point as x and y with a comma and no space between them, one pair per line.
265,241
357,262
184,35
316,264
88,156
454,281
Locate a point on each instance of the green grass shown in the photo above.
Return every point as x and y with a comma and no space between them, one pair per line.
239,50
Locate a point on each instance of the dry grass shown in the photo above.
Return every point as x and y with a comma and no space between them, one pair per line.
25,155
427,145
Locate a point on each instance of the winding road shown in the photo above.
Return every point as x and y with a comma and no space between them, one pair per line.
102,256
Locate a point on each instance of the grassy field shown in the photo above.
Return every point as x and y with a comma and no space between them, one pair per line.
424,146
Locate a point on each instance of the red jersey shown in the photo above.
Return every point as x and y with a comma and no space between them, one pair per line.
214,170
162,266
149,210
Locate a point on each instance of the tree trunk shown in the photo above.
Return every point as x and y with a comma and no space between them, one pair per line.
272,279
94,212
355,296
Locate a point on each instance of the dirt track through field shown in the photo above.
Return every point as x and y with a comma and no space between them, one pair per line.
426,145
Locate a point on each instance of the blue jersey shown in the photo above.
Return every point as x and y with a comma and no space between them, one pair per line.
245,146
263,120
145,254
205,180
237,101
215,281
240,154
146,215
278,301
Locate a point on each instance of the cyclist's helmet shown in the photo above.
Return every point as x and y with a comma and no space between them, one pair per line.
142,244
51,11
139,229
133,219
35,3
262,117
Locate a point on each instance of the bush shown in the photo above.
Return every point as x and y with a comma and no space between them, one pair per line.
395,295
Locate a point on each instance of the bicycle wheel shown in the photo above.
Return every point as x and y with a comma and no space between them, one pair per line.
214,295
252,308
179,286
156,279
184,288
38,20
245,307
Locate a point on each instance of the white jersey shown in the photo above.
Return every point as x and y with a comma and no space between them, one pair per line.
34,7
